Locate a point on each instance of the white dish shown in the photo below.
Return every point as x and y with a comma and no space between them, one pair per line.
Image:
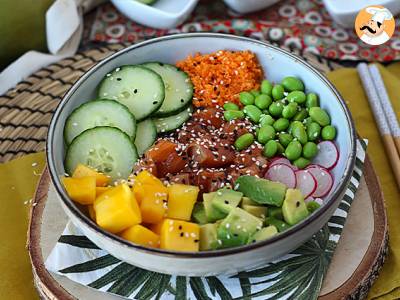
163,14
246,6
344,12
277,64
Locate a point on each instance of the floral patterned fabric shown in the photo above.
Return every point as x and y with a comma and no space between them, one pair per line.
302,24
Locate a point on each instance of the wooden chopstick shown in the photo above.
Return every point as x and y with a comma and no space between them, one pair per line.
380,119
386,105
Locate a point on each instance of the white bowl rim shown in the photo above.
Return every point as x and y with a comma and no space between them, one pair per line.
201,254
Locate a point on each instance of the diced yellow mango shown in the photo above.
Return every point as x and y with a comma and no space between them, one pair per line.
141,235
156,228
179,235
85,171
92,213
117,209
181,200
101,189
153,203
145,177
139,191
81,190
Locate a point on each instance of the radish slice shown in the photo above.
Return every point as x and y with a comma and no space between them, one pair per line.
309,199
328,155
284,161
306,182
324,180
282,173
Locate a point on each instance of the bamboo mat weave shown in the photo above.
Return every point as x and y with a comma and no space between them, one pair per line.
26,110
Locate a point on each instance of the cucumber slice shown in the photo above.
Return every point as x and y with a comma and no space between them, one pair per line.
102,112
106,149
173,122
178,88
146,135
140,89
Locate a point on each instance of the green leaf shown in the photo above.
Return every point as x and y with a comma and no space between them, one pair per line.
301,290
335,230
356,176
118,272
347,199
337,220
77,241
118,286
131,283
198,288
344,206
217,285
151,286
245,285
163,287
180,288
91,265
363,144
352,187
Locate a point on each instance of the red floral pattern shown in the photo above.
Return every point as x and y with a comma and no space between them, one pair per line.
302,24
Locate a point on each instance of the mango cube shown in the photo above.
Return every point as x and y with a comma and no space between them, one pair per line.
179,236
117,209
139,234
181,200
92,213
138,190
85,171
145,177
101,189
153,203
81,190
156,228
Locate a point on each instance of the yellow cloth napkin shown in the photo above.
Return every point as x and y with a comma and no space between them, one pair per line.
348,83
18,180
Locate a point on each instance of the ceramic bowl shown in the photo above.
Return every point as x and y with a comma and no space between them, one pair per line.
163,14
244,7
277,63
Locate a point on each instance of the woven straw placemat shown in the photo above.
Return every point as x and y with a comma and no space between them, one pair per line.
26,110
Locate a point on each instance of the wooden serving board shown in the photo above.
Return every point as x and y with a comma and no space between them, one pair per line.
355,265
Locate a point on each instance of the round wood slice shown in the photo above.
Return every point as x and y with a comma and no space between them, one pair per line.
357,260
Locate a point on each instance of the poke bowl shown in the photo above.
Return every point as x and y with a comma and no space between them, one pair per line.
201,154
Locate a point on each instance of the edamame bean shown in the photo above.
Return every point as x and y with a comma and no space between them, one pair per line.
289,110
298,131
230,115
275,109
296,96
257,130
266,134
262,101
310,150
277,92
301,162
281,149
246,98
285,139
328,133
231,106
253,112
255,93
270,148
244,141
266,120
313,131
301,115
266,87
307,122
320,116
293,150
281,124
312,100
291,84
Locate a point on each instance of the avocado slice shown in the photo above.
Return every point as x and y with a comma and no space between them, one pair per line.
225,200
199,213
208,236
237,227
261,190
248,201
264,234
257,211
211,213
294,208
279,224
312,206
275,212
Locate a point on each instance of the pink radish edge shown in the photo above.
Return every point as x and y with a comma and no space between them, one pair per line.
274,172
312,177
326,171
321,157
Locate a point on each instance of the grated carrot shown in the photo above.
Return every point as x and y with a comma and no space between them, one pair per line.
219,77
